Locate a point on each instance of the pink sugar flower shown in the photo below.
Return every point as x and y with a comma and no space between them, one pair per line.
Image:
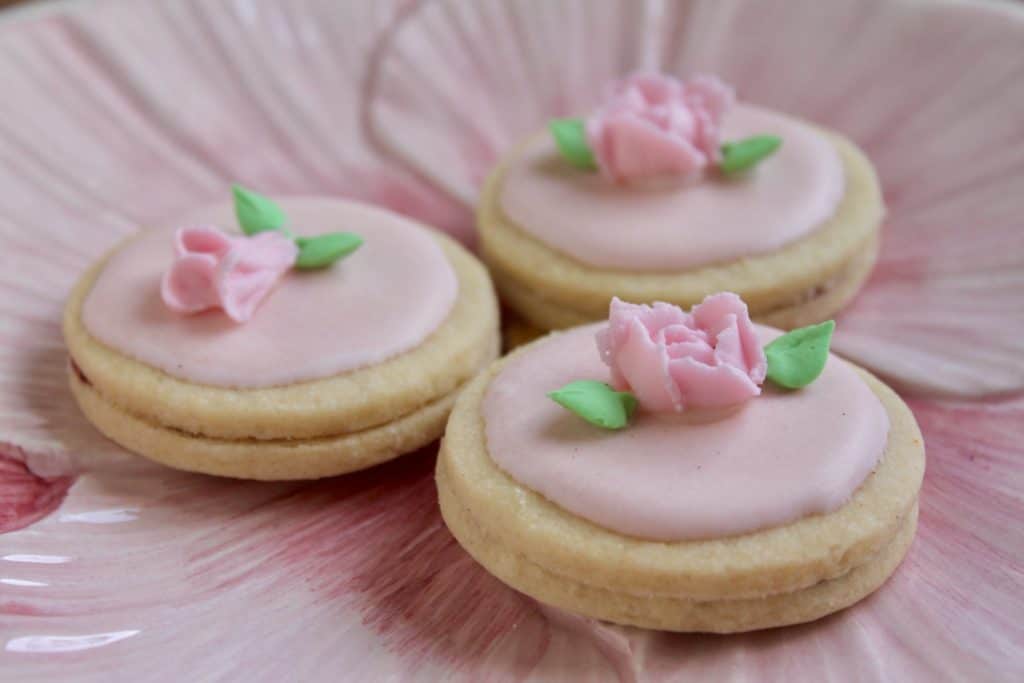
674,361
215,270
652,125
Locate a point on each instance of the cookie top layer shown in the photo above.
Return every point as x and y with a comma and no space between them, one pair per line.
382,301
782,457
714,220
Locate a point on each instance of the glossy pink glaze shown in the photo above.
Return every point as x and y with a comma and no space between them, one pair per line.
386,298
674,227
782,456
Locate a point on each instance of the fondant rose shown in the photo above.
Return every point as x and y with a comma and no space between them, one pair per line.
215,270
653,125
673,361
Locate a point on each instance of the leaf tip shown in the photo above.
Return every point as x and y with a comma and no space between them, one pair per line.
798,357
596,402
742,155
570,137
322,251
256,213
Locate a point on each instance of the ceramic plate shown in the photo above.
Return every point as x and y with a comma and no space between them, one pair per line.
117,113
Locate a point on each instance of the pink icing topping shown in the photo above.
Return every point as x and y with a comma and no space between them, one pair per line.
654,125
673,361
672,228
385,299
782,457
215,270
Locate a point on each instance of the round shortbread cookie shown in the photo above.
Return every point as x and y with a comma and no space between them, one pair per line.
348,403
482,502
804,282
670,613
304,430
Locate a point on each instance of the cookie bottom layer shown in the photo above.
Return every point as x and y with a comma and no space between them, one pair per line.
668,613
814,305
269,460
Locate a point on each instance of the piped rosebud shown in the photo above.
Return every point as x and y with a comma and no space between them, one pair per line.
215,270
673,361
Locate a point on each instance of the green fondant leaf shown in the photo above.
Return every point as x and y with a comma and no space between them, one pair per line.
323,250
571,137
596,402
255,212
743,154
797,358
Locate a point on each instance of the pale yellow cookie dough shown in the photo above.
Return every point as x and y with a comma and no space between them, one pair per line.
782,575
304,430
802,283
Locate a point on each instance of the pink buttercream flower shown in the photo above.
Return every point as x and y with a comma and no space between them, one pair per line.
672,361
215,270
653,125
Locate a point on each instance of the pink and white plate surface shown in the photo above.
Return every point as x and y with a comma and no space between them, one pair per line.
117,113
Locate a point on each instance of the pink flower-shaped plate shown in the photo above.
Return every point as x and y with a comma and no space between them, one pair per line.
117,113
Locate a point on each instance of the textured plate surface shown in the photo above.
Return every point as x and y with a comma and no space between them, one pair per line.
123,111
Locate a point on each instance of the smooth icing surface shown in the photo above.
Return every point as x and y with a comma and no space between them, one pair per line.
383,300
674,226
780,457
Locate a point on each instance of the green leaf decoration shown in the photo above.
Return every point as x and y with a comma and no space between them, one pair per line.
255,212
323,250
571,137
797,358
596,402
744,154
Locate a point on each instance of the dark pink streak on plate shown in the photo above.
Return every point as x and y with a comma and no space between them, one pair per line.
25,497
